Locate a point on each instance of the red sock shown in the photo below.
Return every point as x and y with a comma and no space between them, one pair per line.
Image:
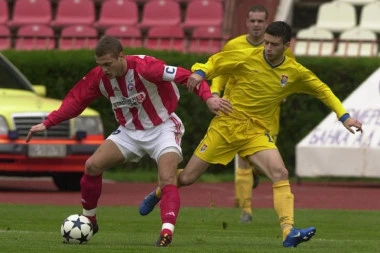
170,204
166,231
91,188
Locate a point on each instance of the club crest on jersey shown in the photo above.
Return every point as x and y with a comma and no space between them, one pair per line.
130,86
203,148
284,80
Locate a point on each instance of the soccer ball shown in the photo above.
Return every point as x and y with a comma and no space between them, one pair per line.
76,229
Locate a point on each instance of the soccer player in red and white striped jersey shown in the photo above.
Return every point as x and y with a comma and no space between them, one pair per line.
143,94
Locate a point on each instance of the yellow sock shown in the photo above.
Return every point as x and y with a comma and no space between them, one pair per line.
243,189
158,190
284,205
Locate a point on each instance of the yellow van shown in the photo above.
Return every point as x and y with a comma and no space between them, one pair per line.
59,152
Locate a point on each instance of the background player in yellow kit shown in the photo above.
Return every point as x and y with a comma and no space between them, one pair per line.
246,177
263,78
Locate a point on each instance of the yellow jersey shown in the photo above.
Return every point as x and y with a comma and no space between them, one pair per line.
259,87
241,42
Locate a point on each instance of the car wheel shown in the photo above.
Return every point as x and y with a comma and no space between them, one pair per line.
68,181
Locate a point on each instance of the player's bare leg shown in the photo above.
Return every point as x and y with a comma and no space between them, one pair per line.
106,156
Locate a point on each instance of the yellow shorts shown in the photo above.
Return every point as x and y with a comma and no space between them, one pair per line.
227,136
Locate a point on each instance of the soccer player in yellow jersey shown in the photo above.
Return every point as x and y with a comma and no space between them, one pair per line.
246,176
263,78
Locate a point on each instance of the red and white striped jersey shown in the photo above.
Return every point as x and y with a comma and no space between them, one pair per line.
144,97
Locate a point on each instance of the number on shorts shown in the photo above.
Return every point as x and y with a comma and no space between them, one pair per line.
270,139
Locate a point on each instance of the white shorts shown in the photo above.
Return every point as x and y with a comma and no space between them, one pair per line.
156,141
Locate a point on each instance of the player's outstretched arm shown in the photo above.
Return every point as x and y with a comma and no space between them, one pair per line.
34,129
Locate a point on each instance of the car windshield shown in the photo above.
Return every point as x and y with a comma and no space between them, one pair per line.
11,78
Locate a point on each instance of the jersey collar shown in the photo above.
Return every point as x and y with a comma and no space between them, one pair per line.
270,64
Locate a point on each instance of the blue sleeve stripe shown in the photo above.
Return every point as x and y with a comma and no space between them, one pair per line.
344,117
201,73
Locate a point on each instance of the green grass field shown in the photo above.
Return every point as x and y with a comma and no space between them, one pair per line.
32,228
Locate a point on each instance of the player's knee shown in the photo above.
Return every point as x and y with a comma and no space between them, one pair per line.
184,180
280,173
91,168
167,180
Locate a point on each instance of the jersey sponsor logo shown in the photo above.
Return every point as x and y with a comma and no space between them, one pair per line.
133,101
169,73
284,80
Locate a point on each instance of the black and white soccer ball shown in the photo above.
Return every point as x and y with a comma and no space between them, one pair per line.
76,229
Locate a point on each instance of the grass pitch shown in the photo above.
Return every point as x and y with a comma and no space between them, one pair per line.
36,229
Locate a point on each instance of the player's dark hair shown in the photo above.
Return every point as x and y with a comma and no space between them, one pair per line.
280,29
108,45
258,8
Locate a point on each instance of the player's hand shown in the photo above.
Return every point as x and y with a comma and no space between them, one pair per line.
218,105
352,122
194,81
34,129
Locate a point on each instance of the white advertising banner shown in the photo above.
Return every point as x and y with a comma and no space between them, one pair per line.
331,150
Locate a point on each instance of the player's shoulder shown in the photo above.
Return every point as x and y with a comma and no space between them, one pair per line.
292,63
93,77
288,52
244,54
249,51
141,58
235,43
239,38
131,59
143,63
253,51
95,73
